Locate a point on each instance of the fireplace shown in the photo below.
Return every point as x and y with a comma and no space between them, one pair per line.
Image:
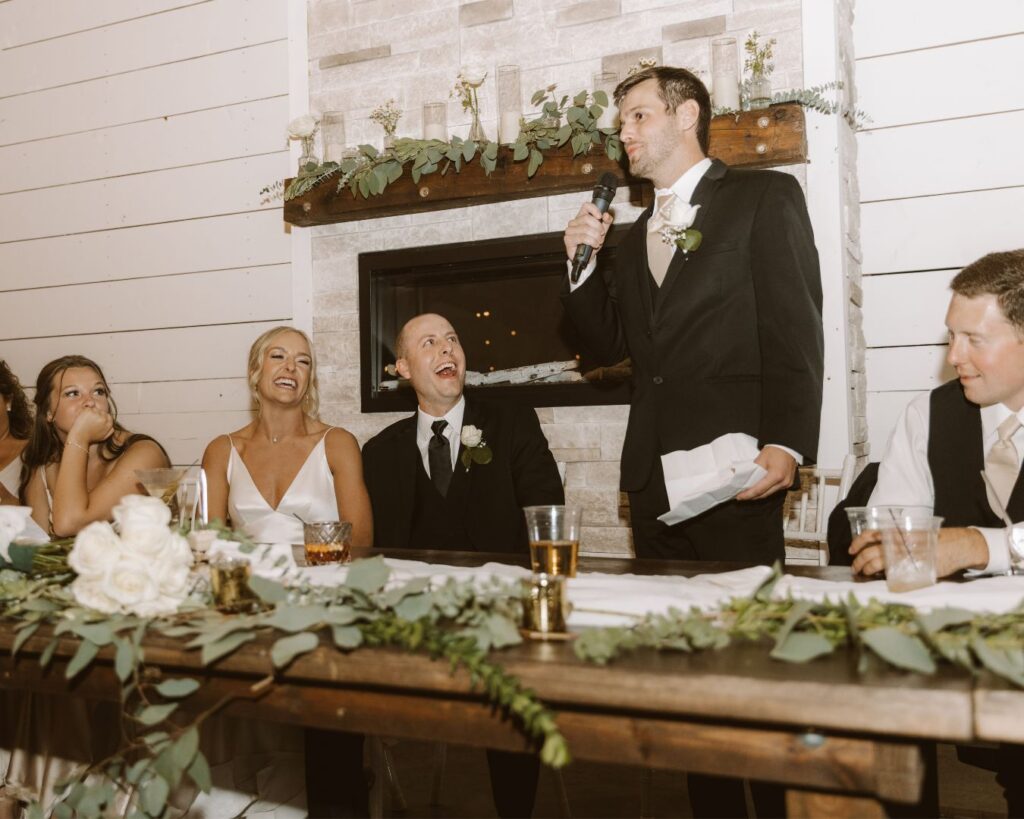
502,298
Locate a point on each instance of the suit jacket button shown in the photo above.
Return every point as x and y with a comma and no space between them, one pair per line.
657,379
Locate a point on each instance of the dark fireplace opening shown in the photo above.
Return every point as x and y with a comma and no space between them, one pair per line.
502,298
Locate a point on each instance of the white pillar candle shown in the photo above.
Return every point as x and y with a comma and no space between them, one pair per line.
727,92
333,151
435,130
508,128
609,117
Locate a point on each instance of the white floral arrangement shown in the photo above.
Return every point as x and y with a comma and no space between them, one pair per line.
303,127
678,228
141,568
13,521
386,115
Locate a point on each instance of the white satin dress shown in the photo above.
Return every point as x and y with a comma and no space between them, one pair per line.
252,759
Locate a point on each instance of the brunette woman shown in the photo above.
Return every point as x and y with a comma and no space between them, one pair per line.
15,428
80,461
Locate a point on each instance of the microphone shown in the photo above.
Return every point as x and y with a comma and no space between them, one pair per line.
604,192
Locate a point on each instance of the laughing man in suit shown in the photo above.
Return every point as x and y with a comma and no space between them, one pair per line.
425,498
724,338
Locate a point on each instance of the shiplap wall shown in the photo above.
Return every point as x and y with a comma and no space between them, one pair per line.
941,176
135,136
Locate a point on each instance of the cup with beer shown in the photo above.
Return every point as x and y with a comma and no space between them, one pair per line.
554,534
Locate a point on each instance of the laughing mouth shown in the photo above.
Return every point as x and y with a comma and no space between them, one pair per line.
448,368
287,383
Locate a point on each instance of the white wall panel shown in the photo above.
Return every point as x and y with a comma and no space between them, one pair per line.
941,231
194,85
907,368
906,308
26,21
214,243
884,410
215,395
140,43
161,196
941,157
185,435
887,26
227,296
940,83
186,139
181,354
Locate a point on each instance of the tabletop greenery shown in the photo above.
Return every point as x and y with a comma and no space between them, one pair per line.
802,630
458,622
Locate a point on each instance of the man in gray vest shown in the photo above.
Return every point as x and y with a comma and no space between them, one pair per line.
945,438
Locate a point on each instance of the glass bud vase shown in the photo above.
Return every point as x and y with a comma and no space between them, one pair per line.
759,91
308,157
476,130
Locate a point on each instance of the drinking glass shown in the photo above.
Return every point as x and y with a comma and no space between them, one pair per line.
554,534
909,543
163,483
327,542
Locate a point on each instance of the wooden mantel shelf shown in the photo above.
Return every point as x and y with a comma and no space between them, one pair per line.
752,139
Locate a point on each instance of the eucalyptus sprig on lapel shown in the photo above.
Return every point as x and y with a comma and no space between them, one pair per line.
476,450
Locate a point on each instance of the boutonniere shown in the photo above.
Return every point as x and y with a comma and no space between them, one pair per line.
476,449
677,230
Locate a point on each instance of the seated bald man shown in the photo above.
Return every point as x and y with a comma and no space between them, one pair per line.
945,438
424,497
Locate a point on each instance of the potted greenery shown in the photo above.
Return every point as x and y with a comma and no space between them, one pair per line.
758,86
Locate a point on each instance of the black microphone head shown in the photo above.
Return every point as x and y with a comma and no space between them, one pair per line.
609,180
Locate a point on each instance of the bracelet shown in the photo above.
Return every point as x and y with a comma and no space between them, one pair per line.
79,446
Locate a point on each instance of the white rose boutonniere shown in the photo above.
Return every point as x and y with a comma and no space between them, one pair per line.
476,450
678,230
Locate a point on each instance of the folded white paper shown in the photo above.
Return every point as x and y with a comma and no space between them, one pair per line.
697,479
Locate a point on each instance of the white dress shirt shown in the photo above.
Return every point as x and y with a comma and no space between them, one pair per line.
453,432
905,479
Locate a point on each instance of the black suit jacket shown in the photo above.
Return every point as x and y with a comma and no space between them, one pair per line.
733,340
521,473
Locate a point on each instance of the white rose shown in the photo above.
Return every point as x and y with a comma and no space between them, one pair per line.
13,520
130,583
682,214
88,592
473,75
302,127
97,549
136,511
157,607
471,436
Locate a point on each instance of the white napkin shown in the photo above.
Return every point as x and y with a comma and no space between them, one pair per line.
697,479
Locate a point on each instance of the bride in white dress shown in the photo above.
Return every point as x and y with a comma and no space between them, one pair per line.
285,465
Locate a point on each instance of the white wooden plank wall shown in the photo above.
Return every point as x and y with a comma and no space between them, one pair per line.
135,136
941,176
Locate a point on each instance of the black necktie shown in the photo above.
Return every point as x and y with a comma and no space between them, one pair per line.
439,456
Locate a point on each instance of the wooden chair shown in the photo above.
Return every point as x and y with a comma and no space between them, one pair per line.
806,510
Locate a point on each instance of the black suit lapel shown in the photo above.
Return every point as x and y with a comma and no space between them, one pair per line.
407,461
703,195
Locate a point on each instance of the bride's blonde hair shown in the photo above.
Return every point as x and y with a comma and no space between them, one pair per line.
311,400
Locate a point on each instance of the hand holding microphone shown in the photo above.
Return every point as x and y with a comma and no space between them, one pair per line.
586,232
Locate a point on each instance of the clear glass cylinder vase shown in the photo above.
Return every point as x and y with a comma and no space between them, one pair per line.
759,92
725,83
308,159
510,103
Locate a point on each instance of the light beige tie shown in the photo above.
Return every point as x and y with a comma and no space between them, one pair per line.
1002,465
659,252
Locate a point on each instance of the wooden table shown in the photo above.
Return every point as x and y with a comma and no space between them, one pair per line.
841,743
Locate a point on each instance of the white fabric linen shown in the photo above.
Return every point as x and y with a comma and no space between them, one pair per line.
10,476
453,432
310,496
904,478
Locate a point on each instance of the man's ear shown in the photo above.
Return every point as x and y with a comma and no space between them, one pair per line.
402,366
687,115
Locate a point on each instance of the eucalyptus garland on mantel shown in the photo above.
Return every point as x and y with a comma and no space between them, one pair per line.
562,121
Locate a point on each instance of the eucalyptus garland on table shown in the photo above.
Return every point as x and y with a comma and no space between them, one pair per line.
562,121
459,622
802,630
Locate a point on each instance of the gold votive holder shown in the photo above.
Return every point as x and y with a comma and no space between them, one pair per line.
229,581
545,604
327,542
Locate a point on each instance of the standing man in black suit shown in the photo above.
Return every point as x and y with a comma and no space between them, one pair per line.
425,497
724,338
